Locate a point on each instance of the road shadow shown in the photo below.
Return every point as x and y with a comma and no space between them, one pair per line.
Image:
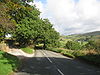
55,66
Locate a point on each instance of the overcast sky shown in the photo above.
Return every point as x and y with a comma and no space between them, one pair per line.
71,16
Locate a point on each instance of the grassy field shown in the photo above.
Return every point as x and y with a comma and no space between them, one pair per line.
8,63
28,50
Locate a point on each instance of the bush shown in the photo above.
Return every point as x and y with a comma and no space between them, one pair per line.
68,53
55,49
93,44
63,51
78,53
8,63
73,45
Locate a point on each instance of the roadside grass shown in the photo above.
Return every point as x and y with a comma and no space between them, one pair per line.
28,50
8,63
68,53
87,55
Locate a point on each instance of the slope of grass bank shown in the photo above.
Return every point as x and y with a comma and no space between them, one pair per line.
28,50
8,63
81,54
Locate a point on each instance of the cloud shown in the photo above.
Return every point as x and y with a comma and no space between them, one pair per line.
72,16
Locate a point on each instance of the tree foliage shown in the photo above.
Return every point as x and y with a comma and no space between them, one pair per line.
28,27
7,24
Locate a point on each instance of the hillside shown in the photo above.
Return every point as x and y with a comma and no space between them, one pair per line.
91,33
85,36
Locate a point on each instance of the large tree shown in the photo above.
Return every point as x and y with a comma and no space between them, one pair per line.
30,28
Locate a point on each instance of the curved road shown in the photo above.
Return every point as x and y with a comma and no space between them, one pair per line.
50,63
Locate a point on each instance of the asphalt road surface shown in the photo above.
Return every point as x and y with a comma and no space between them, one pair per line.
50,63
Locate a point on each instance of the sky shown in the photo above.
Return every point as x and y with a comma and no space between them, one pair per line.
71,16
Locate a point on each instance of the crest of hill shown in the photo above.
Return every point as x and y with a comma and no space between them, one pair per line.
95,33
91,33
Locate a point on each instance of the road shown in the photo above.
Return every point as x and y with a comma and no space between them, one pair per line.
50,63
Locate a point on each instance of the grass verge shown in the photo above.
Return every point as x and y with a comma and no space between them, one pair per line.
28,50
8,63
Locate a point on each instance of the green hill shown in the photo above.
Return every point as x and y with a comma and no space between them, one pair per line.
91,33
85,36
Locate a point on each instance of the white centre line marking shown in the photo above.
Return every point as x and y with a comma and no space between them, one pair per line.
60,72
52,62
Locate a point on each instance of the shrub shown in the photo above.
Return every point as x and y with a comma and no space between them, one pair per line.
78,53
63,51
68,53
90,45
93,45
55,49
73,45
8,63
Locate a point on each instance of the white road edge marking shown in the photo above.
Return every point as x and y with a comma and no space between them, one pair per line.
52,62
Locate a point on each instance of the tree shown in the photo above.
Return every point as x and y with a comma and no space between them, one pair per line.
7,24
26,31
51,37
36,31
25,17
29,28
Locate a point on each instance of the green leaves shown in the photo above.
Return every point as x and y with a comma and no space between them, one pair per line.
7,24
29,27
73,45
